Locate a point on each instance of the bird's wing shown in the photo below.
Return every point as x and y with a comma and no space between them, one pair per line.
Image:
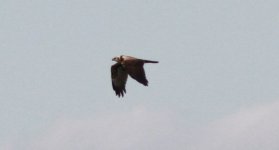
135,69
119,78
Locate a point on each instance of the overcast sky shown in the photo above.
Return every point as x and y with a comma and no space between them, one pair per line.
216,86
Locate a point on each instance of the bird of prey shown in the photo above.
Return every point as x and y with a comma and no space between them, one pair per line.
124,66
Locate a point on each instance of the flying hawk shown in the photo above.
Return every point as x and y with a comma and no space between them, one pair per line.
127,65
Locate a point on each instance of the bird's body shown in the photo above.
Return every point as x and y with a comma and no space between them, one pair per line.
127,65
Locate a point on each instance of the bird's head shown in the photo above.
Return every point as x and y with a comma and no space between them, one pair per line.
117,59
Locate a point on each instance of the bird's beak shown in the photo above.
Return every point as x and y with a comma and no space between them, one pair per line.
113,59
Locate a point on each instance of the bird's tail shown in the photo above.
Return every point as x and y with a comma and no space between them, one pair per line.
150,61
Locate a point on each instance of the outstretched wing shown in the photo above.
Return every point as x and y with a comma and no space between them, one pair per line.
119,78
135,69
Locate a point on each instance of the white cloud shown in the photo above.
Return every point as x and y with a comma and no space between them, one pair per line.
6,145
255,128
138,129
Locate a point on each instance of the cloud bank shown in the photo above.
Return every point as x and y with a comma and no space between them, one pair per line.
138,129
255,128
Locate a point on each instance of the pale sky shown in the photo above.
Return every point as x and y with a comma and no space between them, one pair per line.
215,87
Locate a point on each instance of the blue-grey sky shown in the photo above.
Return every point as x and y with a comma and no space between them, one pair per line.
216,86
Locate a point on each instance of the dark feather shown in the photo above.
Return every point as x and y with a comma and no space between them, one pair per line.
137,72
119,78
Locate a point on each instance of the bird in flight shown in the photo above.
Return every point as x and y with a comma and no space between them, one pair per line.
124,66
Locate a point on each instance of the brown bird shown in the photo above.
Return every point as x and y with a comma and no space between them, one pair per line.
127,65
